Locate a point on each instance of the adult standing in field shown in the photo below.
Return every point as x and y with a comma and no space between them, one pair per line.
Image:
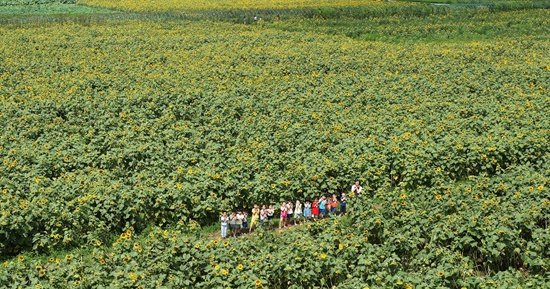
255,217
225,221
356,189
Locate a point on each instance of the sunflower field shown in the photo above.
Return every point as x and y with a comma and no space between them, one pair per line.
209,5
120,137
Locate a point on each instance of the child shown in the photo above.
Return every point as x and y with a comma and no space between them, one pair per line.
297,212
239,222
224,220
322,206
328,207
289,212
255,217
343,200
245,223
315,208
263,215
283,215
233,224
307,209
334,204
270,212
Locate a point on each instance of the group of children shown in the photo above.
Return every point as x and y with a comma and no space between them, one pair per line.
319,208
237,221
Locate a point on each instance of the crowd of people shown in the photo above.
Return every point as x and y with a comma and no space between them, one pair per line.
290,213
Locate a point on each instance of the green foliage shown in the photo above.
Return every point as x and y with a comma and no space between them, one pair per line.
145,130
470,234
105,128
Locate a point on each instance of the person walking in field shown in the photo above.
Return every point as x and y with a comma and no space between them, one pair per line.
255,217
225,221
